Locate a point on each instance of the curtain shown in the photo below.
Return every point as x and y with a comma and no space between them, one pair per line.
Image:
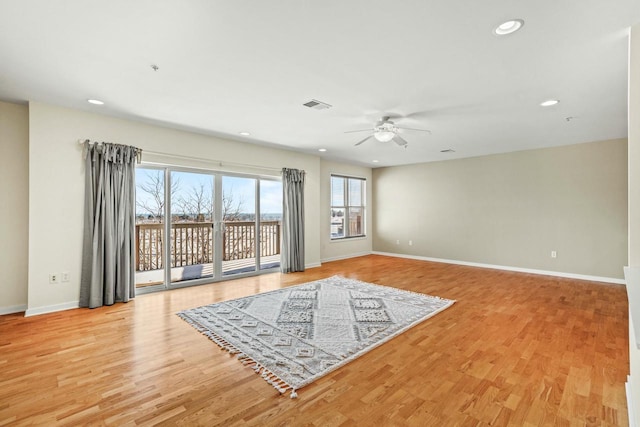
108,252
292,258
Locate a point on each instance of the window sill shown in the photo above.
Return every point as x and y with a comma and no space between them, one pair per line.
348,239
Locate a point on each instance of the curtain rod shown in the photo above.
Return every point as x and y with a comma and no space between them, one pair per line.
212,161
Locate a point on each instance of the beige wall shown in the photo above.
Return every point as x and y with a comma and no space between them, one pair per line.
634,148
14,206
634,215
511,209
345,248
56,187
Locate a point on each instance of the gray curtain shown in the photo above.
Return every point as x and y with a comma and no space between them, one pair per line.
108,253
292,258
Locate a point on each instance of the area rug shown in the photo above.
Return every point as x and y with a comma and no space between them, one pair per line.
295,335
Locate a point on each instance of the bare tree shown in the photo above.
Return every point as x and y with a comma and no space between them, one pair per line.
153,187
231,209
197,202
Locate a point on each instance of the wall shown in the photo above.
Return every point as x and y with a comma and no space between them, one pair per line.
633,395
345,248
511,209
56,187
14,206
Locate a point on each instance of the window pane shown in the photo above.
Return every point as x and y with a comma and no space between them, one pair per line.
337,191
356,221
337,223
191,236
149,230
270,223
355,192
149,195
191,197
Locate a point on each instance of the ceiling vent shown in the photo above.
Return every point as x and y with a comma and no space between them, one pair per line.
317,105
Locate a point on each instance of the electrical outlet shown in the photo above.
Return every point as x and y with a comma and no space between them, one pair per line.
64,276
554,254
397,242
54,278
410,242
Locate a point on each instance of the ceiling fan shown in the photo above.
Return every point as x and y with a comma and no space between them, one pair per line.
386,130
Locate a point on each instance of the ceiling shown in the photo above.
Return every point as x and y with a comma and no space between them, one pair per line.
226,67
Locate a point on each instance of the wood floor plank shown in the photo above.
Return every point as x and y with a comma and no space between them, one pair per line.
516,349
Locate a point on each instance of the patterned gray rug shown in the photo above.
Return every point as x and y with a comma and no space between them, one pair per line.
294,335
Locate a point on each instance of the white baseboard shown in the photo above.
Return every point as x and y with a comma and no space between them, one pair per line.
632,416
51,308
507,268
13,309
312,265
338,258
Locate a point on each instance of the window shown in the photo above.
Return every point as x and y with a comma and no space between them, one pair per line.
347,207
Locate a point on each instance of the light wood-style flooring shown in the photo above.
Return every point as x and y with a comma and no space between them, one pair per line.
516,349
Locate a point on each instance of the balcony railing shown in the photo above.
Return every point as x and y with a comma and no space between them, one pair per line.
192,243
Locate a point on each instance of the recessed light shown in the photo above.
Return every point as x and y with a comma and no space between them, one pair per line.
322,150
375,161
244,133
508,27
549,102
95,101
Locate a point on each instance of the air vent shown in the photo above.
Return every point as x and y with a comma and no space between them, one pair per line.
317,105
448,150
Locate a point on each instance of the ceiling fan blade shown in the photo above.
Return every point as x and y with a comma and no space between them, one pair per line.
362,130
419,130
400,141
358,143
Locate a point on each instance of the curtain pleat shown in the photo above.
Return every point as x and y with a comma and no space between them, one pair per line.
292,258
108,270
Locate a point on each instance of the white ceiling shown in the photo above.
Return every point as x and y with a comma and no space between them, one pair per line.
232,66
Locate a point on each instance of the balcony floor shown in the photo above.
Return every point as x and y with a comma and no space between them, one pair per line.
198,271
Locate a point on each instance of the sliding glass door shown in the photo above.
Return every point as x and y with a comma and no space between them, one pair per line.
239,225
270,202
150,228
219,225
191,242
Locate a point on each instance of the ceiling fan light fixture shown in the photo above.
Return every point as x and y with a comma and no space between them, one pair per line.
384,135
508,27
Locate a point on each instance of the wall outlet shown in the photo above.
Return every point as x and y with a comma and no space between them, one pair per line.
64,276
554,254
410,242
397,242
54,278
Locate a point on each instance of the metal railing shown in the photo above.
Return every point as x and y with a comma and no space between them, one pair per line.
192,243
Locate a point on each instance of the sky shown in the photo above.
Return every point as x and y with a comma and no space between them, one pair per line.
242,188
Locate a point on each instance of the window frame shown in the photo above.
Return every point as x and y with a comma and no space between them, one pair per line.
347,206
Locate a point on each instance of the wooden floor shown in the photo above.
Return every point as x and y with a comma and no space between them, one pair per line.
516,349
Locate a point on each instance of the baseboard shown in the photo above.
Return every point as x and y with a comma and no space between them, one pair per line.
631,413
507,268
51,308
13,309
312,265
338,258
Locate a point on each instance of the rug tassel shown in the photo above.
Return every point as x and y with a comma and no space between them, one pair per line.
293,394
